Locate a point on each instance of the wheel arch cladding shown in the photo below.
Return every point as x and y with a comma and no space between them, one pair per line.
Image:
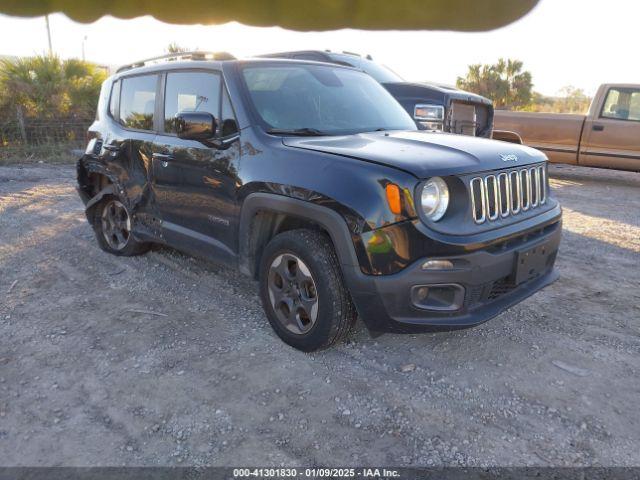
97,178
360,286
289,209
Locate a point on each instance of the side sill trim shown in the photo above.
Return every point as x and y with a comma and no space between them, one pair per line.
200,237
554,149
615,155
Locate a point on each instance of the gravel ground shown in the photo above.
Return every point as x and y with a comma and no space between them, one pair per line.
166,360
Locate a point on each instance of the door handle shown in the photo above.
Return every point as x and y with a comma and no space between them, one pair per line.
598,128
163,156
111,148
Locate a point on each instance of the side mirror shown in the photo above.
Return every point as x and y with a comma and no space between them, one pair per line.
199,126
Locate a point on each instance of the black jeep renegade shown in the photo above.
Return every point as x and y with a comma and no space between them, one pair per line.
312,179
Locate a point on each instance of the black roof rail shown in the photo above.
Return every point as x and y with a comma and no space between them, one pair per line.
170,57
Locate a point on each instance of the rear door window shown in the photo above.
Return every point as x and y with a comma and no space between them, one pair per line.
138,102
190,92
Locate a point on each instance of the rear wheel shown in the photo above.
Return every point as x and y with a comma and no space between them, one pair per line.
113,225
302,290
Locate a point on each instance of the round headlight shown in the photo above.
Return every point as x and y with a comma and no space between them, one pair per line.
434,198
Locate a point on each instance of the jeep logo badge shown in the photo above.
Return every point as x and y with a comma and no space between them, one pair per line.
509,157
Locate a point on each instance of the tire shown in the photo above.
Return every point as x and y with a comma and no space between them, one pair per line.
303,292
110,215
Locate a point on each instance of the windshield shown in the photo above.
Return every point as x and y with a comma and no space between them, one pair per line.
325,99
381,73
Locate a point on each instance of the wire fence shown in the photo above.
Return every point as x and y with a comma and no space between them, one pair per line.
48,136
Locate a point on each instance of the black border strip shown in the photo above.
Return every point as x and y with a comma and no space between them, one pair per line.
378,473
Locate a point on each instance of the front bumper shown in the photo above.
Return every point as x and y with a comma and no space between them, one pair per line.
485,276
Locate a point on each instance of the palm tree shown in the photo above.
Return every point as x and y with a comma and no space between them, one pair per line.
46,86
504,82
47,101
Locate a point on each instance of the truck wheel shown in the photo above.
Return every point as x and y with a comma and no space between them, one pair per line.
112,225
302,290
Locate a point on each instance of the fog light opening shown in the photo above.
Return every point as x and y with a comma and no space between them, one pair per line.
444,297
421,293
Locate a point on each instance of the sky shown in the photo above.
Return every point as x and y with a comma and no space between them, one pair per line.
582,43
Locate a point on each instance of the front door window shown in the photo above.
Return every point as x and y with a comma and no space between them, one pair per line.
622,104
190,92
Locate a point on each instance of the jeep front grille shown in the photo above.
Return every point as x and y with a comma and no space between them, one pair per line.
507,193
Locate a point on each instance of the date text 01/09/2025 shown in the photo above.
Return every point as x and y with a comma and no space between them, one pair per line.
315,473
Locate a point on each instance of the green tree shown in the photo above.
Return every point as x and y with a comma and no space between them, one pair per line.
46,86
572,100
569,100
83,83
504,82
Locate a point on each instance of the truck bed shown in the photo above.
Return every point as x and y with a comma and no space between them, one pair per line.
556,134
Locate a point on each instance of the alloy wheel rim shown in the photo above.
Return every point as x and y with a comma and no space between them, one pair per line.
293,293
116,225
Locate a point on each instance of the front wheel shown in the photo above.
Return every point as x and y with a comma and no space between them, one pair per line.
302,290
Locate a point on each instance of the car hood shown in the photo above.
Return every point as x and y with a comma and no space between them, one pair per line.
424,154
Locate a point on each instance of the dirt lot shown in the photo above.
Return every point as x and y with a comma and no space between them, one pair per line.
165,360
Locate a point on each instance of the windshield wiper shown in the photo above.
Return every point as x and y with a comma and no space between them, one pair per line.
301,132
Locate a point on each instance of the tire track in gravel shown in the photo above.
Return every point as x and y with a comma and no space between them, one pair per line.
211,384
